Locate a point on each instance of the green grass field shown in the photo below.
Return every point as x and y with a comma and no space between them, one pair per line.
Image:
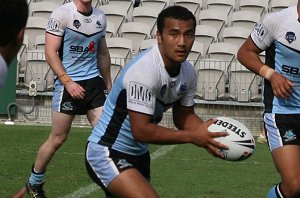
177,171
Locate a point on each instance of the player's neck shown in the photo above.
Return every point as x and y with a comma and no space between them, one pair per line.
83,8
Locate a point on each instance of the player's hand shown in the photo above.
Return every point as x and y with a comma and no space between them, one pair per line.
75,90
281,86
205,139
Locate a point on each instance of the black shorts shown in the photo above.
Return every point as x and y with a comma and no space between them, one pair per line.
282,129
103,164
94,97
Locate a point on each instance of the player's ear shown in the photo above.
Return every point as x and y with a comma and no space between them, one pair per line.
20,36
158,37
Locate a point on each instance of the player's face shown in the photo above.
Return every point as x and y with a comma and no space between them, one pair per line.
176,40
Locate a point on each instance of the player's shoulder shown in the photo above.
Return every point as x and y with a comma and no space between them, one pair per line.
98,11
282,15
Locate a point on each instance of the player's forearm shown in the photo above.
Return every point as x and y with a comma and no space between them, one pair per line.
155,134
55,64
104,69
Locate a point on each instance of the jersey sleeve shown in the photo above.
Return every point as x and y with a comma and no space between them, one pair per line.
263,32
57,22
188,99
141,90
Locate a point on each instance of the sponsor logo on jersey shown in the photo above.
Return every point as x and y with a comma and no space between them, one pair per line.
140,94
76,23
292,71
88,20
82,49
290,37
261,31
53,25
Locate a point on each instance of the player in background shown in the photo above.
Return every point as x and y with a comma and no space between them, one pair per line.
13,19
278,34
117,156
76,51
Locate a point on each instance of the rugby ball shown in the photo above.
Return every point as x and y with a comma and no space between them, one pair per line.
240,140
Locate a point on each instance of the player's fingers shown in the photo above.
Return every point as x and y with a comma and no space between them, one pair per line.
215,151
216,134
210,121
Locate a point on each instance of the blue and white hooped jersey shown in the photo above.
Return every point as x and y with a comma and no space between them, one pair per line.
281,30
81,36
143,86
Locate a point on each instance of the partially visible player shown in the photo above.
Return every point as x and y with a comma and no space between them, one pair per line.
77,53
278,34
13,19
117,156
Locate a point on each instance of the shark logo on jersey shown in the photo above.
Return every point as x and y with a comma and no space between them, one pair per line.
163,90
99,25
290,37
76,23
289,136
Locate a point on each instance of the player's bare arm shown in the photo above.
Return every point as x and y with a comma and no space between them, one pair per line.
145,131
248,55
185,118
51,51
104,62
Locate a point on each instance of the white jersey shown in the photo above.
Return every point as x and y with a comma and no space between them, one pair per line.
3,71
81,36
279,32
144,86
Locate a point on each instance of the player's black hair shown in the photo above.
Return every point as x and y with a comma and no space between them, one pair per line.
175,12
13,17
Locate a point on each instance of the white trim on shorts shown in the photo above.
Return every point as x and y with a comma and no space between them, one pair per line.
273,133
102,165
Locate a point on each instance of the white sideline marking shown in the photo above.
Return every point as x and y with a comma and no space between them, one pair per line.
87,190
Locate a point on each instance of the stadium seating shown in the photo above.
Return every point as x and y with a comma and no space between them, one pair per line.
243,84
226,6
157,4
259,6
277,5
215,18
193,5
38,70
235,35
35,26
196,52
126,5
147,15
136,32
147,43
222,51
42,8
119,49
115,14
206,34
245,18
211,79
